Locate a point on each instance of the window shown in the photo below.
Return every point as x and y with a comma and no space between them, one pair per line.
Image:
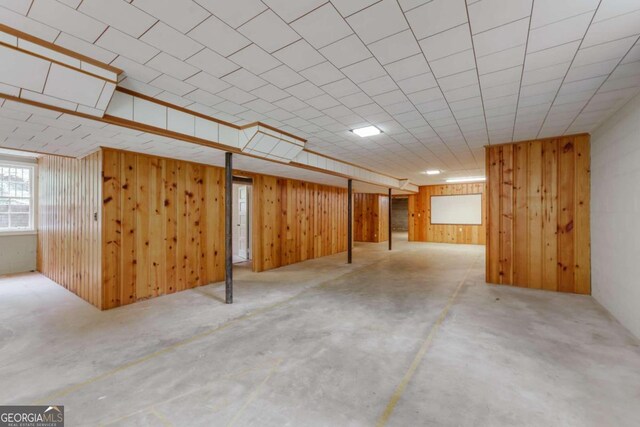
16,197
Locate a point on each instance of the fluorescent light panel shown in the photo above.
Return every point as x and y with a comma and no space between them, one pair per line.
366,131
432,172
467,179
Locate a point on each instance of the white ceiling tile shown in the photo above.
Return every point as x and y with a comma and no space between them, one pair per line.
207,82
551,56
203,97
591,70
380,85
339,88
305,90
236,95
390,97
211,62
182,15
459,80
322,102
356,100
349,7
165,38
408,67
547,73
85,48
172,85
23,71
501,77
66,19
299,55
453,64
437,16
291,104
613,29
549,11
603,52
181,101
290,11
488,14
501,38
135,70
236,12
218,36
565,31
378,21
119,14
282,76
447,43
244,80
417,83
508,58
322,27
394,48
268,31
346,51
364,70
270,93
611,8
138,86
322,74
123,44
260,106
254,59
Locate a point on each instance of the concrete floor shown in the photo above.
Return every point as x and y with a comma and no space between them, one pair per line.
407,338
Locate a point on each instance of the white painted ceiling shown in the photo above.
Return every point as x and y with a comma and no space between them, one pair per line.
441,78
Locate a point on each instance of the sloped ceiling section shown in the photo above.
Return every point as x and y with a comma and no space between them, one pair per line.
254,139
34,72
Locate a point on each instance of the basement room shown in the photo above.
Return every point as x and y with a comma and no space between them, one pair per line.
319,213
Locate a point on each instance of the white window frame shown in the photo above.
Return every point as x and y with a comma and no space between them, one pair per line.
32,203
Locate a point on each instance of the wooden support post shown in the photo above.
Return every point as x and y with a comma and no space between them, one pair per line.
390,219
228,227
350,222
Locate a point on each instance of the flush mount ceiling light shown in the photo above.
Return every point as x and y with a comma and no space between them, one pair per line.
366,131
432,172
467,179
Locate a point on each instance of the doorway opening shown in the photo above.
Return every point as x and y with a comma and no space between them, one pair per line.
242,216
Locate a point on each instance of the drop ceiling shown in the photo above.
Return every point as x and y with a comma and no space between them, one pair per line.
440,78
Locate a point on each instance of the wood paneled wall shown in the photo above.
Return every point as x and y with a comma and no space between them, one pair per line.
370,217
69,226
420,227
538,210
295,221
163,226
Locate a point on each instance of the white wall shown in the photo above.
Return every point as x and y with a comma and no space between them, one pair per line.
17,252
615,215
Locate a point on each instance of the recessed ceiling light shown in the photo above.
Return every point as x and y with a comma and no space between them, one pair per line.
432,172
467,179
366,131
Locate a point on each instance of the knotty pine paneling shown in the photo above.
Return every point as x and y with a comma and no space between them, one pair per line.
538,214
163,226
420,227
69,226
370,217
294,221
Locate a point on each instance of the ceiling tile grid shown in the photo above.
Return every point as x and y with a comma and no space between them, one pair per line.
440,78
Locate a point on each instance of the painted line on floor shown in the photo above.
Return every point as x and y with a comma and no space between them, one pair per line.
75,387
254,394
417,360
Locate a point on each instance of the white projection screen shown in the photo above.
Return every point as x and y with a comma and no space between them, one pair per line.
463,209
